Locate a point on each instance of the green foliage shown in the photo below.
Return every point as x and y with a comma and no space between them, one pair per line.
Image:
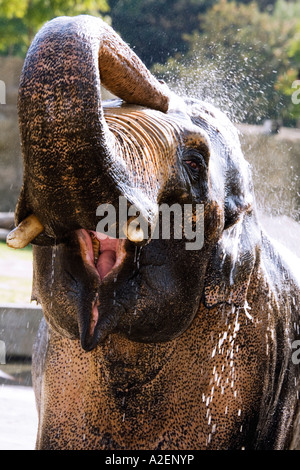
288,10
235,60
238,54
294,49
155,28
21,19
263,5
289,81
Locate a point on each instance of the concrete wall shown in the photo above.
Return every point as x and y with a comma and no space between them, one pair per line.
18,328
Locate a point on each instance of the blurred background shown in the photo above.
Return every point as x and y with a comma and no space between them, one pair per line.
242,56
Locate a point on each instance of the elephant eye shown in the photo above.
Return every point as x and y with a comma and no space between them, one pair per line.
195,164
192,164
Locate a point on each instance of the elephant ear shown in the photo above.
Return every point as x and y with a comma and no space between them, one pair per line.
232,264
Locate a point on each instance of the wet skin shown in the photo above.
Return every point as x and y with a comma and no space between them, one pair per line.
148,345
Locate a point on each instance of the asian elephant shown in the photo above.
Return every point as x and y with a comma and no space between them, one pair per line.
147,344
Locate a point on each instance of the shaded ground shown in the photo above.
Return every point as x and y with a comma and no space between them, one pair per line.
18,416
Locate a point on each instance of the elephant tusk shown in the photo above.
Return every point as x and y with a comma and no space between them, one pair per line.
25,232
133,231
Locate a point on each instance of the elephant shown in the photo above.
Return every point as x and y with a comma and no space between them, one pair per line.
147,344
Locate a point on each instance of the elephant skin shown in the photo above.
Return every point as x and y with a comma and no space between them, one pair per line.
169,348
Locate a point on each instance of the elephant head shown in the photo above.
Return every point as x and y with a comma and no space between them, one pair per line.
153,149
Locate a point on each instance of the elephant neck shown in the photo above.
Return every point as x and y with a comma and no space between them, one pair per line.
164,391
129,365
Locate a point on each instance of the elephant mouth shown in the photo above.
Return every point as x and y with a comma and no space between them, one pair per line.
102,253
104,256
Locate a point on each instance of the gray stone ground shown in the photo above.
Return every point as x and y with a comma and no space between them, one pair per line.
18,418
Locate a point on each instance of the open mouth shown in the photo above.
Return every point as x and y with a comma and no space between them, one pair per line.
102,253
104,256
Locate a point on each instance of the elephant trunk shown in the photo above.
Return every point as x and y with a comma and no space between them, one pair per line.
67,146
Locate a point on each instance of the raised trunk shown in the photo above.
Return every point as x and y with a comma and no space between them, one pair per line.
62,124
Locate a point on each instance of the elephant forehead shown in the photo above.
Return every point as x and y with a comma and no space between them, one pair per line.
147,143
155,135
148,148
198,141
151,130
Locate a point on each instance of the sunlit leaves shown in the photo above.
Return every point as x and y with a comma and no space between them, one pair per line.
289,80
234,60
21,19
155,28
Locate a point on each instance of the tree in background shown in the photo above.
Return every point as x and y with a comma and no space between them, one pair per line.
155,28
21,19
263,5
289,82
235,60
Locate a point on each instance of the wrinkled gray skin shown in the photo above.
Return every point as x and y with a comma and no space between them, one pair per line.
174,329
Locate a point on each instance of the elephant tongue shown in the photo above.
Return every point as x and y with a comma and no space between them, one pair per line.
106,261
102,254
107,255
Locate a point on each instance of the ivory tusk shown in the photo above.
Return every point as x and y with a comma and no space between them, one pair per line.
133,231
25,232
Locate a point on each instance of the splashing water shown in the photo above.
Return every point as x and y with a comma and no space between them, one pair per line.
242,96
53,258
221,79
